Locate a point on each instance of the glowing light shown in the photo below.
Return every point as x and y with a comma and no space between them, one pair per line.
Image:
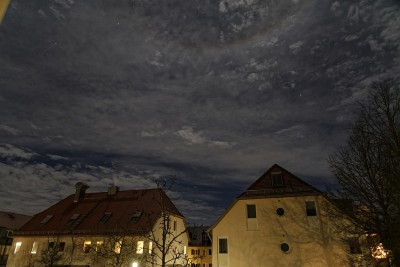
379,252
135,264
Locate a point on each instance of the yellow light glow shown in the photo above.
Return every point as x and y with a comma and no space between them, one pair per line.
379,252
135,264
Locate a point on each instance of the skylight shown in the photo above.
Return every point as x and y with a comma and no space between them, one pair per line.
135,217
105,217
73,219
46,220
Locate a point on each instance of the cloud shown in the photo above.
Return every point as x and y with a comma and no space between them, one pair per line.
190,137
10,130
10,151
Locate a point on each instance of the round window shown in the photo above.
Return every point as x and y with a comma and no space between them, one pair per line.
285,247
280,211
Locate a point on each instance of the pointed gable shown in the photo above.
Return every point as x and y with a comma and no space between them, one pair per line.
278,182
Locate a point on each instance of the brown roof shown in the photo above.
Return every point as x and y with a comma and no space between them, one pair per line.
93,206
292,185
12,221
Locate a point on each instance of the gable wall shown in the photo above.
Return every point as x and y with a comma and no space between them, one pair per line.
313,240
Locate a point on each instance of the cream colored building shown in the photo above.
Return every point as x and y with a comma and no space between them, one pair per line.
200,248
114,228
279,220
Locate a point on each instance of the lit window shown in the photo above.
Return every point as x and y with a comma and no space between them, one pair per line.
34,248
139,247
86,246
17,247
117,247
73,219
46,220
135,217
135,264
105,217
310,208
223,245
184,250
150,247
251,211
277,179
99,245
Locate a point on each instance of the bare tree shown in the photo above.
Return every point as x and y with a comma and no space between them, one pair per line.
167,239
53,254
367,168
118,249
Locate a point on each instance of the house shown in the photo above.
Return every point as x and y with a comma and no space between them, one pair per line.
115,228
9,222
279,220
199,249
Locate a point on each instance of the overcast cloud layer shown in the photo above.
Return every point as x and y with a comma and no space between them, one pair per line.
212,92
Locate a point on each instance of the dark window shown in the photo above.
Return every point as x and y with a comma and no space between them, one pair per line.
209,252
46,220
354,245
223,245
285,247
58,247
174,225
209,265
310,208
194,236
280,211
277,179
251,211
61,246
193,251
105,217
135,217
73,219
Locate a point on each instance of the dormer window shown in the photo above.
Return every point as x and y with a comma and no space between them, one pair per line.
277,179
135,217
105,217
46,220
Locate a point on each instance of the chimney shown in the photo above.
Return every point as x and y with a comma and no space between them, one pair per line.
80,189
112,190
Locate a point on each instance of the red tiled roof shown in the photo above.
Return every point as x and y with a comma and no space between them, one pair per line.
92,208
292,186
12,221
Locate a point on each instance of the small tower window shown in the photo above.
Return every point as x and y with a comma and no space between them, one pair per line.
310,208
277,179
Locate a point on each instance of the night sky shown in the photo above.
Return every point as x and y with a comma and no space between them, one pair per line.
211,92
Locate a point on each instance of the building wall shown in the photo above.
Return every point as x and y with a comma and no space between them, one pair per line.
200,256
313,240
74,252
